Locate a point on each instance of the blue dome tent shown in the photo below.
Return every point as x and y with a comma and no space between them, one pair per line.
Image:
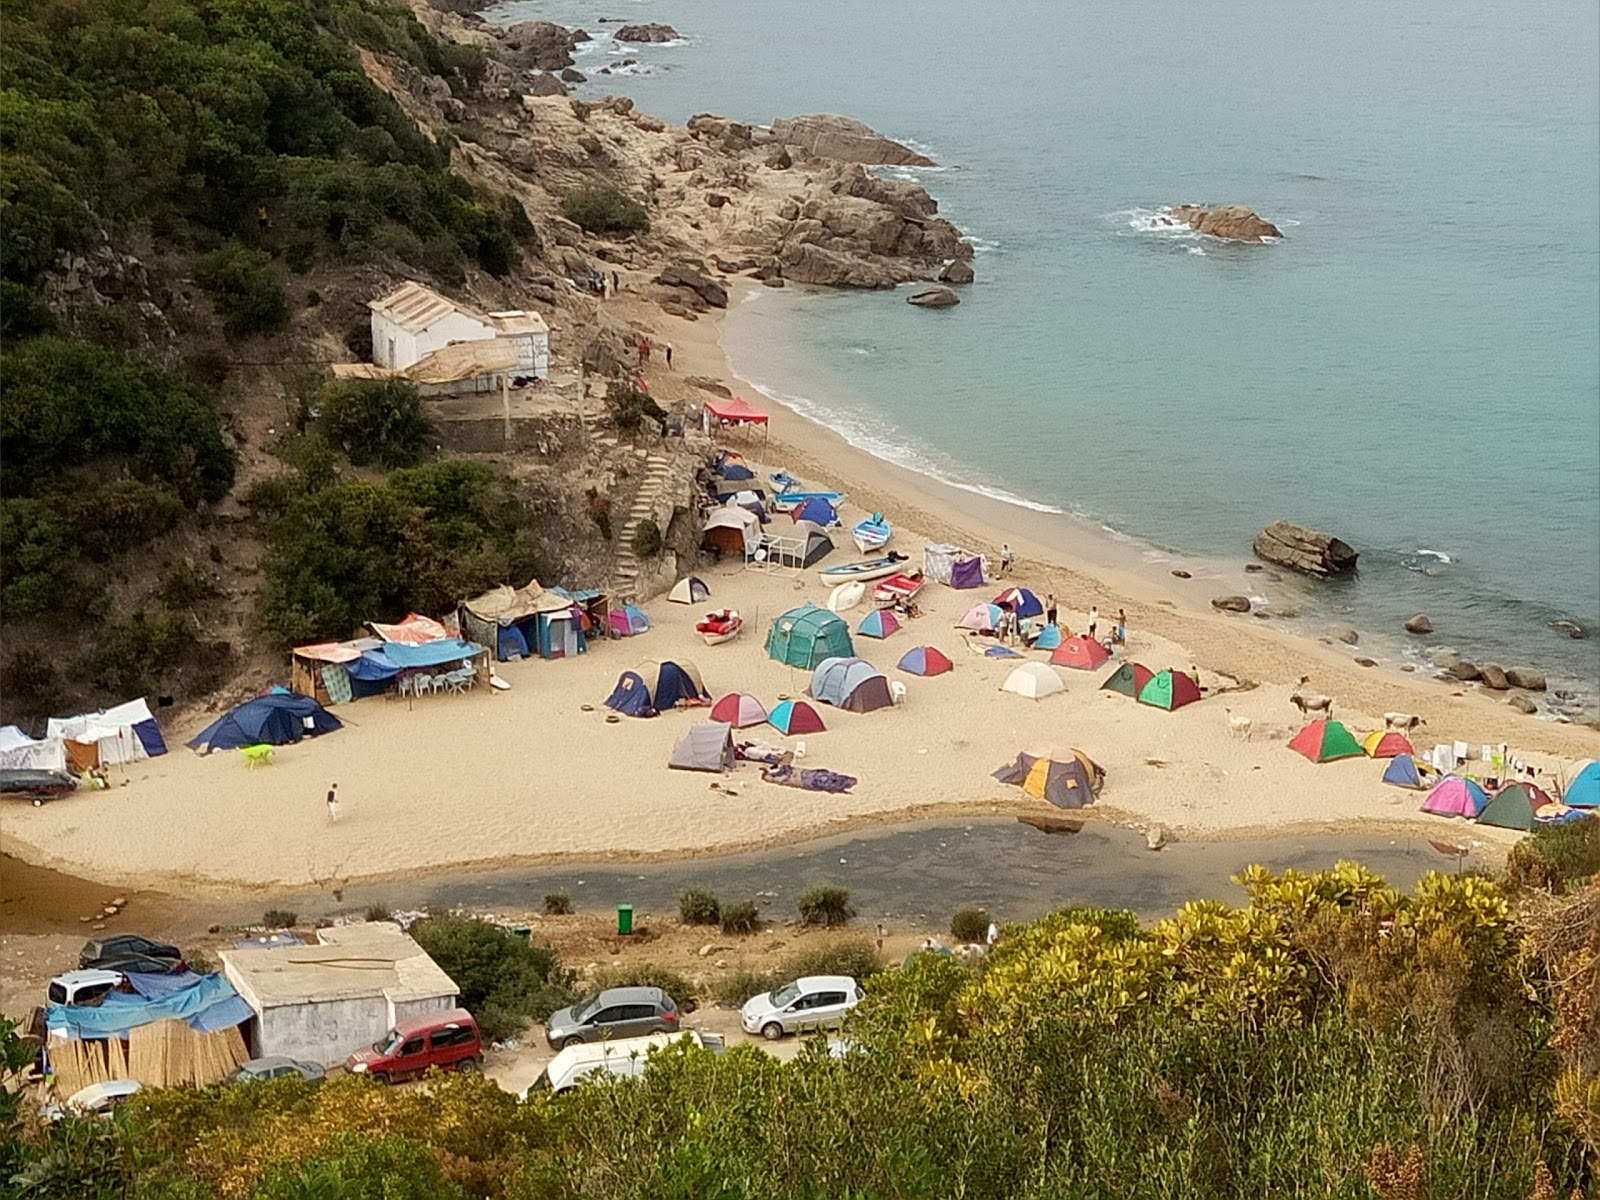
275,719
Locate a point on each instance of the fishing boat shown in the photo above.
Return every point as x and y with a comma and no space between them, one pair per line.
898,589
865,570
720,626
37,786
787,501
846,596
872,533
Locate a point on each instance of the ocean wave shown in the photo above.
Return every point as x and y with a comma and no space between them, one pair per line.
1158,221
981,244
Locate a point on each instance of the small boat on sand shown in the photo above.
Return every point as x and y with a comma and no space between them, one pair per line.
788,501
864,570
872,533
720,626
898,589
846,596
38,786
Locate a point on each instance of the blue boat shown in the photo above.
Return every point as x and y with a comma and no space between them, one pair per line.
788,501
872,533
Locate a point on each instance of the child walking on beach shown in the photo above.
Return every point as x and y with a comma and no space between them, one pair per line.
333,802
1050,609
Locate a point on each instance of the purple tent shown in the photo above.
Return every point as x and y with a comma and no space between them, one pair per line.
968,573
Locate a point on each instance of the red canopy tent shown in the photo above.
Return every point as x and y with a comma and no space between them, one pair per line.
734,411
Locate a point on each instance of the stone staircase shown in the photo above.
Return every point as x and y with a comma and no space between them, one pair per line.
658,495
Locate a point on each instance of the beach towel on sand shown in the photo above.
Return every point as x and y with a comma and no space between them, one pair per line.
810,779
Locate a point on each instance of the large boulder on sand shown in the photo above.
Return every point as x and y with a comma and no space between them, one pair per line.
1238,604
682,275
1232,221
1526,678
1493,675
1305,550
934,297
827,135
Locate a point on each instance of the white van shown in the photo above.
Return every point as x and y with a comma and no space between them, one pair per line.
86,988
625,1057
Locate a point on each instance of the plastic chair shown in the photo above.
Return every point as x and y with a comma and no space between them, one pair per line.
259,755
897,691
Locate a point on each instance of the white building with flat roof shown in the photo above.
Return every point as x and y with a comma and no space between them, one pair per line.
413,322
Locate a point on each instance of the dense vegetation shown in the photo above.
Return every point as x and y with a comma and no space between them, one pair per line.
1331,1038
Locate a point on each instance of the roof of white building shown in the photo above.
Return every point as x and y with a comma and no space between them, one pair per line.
414,307
515,321
352,961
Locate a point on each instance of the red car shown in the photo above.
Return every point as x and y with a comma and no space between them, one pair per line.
447,1040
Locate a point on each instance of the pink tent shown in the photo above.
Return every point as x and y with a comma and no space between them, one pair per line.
1454,796
739,710
982,617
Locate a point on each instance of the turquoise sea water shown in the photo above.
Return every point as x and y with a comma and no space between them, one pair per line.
1415,367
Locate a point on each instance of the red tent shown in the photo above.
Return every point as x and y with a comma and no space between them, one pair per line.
735,411
1081,652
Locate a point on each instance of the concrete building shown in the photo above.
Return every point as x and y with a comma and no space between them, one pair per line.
320,1002
413,322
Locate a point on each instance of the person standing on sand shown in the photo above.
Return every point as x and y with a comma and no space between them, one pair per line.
333,802
1050,609
669,356
1007,559
1094,621
882,933
1122,627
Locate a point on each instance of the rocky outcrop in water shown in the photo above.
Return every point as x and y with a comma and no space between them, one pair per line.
1419,624
934,297
1232,221
956,272
1307,551
647,33
828,135
540,45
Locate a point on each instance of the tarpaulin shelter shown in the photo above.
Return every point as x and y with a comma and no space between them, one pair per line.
1129,679
1067,781
1048,638
795,717
739,710
969,573
631,697
879,623
982,618
938,559
413,631
1402,772
1454,796
672,683
206,1003
19,752
1515,806
1381,743
521,622
924,660
804,636
1174,689
816,510
1001,652
1583,790
1325,741
628,621
123,733
852,684
689,590
275,719
731,530
1080,653
733,410
1033,680
1021,601
707,747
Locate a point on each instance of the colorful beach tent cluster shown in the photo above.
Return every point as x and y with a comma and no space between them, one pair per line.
1454,796
1520,806
1159,689
805,636
1081,654
879,623
1069,780
1325,741
924,660
689,590
795,717
705,747
275,719
852,684
628,621
1034,681
739,710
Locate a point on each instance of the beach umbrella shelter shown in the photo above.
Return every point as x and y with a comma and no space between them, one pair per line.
1129,679
924,660
1067,781
1049,638
804,636
631,696
1383,743
852,684
1514,806
1174,689
879,623
1584,790
707,747
981,618
1402,772
1454,796
739,710
1324,741
275,719
1081,653
689,590
1020,601
794,717
1034,680
672,683
816,510
628,621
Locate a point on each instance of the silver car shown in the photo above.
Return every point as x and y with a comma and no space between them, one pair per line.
625,1012
812,1002
275,1066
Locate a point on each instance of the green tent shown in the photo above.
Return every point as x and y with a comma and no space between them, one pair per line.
1511,808
1169,690
804,636
1128,679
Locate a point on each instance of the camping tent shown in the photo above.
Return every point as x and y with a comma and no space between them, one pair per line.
804,636
520,622
739,710
631,697
924,660
879,623
731,530
1454,796
1402,772
276,718
673,683
1173,689
19,752
1033,680
983,618
1129,679
805,545
938,559
689,590
1020,601
1382,743
817,510
969,573
628,621
733,466
1584,790
1081,653
795,717
852,684
1067,781
122,734
1324,741
1514,806
1048,638
707,747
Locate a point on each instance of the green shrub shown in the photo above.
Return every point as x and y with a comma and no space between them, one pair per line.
1555,858
603,209
736,987
647,975
699,906
557,904
244,285
199,961
33,686
969,925
376,421
503,980
378,912
279,918
741,918
647,539
856,957
629,408
137,656
825,904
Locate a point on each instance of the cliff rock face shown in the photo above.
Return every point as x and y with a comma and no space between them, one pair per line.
1305,550
827,135
1233,221
540,45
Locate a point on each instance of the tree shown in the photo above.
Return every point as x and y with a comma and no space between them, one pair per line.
376,421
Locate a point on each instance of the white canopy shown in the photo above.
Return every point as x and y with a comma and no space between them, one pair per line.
18,751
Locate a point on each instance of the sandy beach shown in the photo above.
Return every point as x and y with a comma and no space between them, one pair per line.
537,773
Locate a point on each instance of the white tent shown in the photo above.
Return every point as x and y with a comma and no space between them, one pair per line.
689,590
741,519
18,751
1034,680
125,733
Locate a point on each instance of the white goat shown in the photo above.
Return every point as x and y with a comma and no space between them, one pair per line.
1240,726
1404,722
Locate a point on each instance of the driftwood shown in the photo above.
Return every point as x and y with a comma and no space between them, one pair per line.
1304,550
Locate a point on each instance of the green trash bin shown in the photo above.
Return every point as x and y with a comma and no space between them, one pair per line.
624,918
522,932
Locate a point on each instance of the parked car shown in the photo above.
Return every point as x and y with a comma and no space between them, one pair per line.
99,949
813,1002
626,1057
98,1099
625,1012
130,963
447,1040
275,1066
86,988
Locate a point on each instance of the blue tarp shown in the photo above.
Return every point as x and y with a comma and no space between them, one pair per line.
429,654
275,719
207,1004
371,666
149,735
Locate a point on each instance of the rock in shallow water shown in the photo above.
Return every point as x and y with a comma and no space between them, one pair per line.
1571,628
1493,675
1240,604
956,272
1419,624
934,297
1526,677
